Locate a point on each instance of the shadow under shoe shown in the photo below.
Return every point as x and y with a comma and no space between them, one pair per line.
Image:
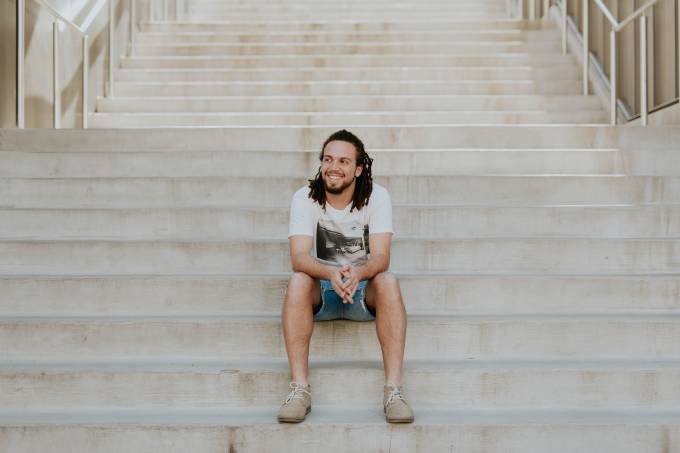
297,405
395,406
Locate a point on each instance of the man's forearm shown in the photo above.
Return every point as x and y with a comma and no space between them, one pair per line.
375,265
309,265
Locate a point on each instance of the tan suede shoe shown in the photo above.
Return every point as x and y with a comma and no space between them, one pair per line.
396,408
297,405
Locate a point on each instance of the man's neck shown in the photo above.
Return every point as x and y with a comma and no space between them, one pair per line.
341,200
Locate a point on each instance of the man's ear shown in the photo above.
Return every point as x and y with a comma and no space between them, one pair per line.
358,171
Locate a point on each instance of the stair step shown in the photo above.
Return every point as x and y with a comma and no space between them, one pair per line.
348,61
279,48
232,191
27,164
305,164
347,429
323,36
463,384
338,88
340,25
428,338
292,138
358,16
355,74
445,293
596,256
337,104
188,224
201,119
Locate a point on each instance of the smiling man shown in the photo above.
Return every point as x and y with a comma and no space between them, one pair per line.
340,240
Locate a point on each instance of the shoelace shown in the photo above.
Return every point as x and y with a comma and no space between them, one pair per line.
395,394
297,392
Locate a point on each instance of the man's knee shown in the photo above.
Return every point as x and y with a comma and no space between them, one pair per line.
385,282
300,281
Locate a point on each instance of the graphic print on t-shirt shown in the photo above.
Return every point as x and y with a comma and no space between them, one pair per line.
342,242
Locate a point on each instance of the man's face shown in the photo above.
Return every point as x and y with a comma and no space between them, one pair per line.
339,167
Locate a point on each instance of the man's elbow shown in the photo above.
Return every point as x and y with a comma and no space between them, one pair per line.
384,263
294,265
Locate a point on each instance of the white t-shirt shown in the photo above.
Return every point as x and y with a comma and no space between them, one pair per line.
340,236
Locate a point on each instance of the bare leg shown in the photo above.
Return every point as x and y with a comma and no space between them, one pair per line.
384,296
302,296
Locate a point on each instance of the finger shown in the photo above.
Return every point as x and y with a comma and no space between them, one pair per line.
353,290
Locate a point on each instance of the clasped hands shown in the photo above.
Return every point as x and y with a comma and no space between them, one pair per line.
345,281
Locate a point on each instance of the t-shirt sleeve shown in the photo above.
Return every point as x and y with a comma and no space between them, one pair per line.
380,212
302,219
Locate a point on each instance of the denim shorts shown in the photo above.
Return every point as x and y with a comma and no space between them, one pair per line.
332,306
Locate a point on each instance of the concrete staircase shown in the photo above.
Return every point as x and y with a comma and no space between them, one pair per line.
356,63
142,271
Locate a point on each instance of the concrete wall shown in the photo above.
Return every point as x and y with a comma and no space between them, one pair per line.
8,63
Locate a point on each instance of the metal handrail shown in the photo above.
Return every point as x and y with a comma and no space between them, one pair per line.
82,30
616,27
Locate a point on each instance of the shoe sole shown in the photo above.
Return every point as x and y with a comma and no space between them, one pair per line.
401,420
295,420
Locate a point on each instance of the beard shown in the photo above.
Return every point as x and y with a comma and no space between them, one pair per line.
336,190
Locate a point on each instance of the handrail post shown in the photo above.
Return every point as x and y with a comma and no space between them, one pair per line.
612,75
86,64
643,69
521,9
56,93
112,40
20,64
165,10
586,51
564,26
546,9
532,9
133,27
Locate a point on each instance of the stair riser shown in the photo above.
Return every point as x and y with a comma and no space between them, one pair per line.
465,387
340,89
232,191
351,437
348,61
177,296
171,49
297,164
387,74
122,120
336,104
218,224
347,10
344,26
220,340
350,37
221,14
301,165
311,138
582,256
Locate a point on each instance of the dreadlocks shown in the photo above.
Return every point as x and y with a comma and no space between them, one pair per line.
363,183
